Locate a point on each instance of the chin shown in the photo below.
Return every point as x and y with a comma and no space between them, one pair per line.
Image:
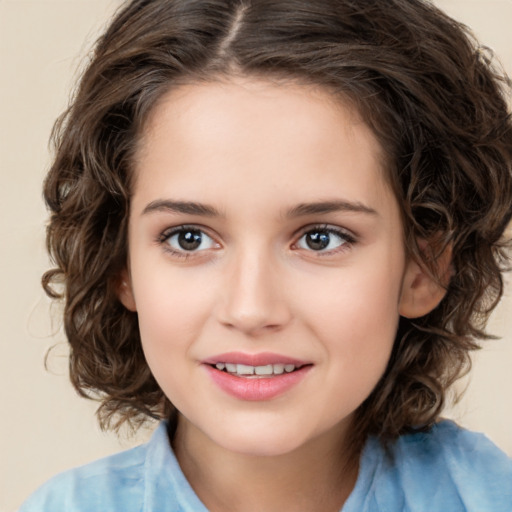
260,440
262,446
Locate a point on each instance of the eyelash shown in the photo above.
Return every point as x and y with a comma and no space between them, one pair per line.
348,239
166,235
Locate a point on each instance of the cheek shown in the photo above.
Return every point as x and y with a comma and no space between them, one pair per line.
356,316
358,330
168,299
171,312
170,318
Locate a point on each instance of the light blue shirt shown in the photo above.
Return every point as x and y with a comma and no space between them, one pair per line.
446,470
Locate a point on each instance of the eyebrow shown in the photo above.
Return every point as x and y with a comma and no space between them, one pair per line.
186,207
302,209
333,206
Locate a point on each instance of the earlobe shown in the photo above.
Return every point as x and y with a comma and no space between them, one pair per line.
422,292
125,291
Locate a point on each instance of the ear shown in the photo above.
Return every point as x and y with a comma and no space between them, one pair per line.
125,291
422,292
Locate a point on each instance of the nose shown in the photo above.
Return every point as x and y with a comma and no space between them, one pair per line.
254,299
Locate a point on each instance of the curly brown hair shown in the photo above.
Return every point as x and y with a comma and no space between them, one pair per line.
418,78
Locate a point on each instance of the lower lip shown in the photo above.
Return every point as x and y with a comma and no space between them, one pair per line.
256,388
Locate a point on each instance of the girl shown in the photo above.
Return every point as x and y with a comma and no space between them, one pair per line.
278,227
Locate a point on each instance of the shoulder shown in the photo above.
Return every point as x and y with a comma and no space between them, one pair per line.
144,478
112,483
460,451
448,468
101,485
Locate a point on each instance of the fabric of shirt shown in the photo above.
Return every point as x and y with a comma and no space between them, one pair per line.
448,469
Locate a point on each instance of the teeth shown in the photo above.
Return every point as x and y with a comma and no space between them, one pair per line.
264,370
278,369
244,369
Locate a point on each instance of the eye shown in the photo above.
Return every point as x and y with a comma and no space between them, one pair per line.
324,239
187,239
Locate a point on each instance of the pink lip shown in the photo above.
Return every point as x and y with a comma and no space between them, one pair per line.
255,388
261,359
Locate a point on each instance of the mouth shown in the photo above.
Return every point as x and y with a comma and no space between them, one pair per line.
261,365
256,377
257,372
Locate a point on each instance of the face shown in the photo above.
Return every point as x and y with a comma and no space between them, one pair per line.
266,262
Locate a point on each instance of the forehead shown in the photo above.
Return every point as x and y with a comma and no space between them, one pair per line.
209,139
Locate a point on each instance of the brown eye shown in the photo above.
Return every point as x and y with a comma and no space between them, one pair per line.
324,240
317,240
189,240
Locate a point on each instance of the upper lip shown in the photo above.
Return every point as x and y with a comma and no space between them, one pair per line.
261,359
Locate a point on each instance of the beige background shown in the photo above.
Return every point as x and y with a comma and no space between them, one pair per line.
44,427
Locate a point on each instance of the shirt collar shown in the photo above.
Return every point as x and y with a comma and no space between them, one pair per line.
166,488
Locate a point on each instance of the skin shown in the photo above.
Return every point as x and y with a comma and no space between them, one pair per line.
253,152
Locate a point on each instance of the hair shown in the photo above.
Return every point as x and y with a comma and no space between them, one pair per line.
431,95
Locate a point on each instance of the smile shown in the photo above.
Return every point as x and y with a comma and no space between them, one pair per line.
256,377
244,370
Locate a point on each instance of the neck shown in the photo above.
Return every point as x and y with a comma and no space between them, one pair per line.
319,475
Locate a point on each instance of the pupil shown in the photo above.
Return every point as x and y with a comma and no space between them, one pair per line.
189,240
317,240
